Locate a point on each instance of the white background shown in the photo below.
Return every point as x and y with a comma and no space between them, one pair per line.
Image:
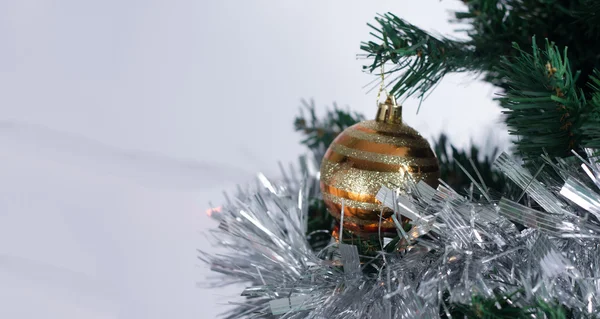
121,120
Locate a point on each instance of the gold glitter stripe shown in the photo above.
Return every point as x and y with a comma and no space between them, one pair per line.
402,131
396,149
378,167
394,133
383,158
366,182
352,203
384,139
365,198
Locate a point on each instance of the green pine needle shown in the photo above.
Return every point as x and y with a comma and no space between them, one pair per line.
551,100
542,102
507,306
589,128
318,132
426,57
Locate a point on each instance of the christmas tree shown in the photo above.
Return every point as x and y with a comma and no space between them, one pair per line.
500,236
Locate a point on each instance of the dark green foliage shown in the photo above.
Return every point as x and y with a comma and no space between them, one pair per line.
320,132
320,223
497,24
591,17
542,103
589,129
409,47
500,308
451,158
545,107
551,102
493,27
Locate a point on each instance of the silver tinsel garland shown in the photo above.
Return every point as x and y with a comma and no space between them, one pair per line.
458,247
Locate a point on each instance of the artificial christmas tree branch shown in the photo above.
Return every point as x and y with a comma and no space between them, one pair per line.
410,48
492,28
319,132
542,103
538,88
590,129
475,161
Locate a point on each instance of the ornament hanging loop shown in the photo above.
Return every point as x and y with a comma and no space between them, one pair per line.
382,87
389,111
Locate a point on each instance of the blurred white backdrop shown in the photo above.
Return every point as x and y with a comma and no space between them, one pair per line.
121,120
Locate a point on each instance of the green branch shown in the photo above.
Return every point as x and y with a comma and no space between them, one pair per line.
503,307
420,58
589,129
543,104
478,162
319,132
496,24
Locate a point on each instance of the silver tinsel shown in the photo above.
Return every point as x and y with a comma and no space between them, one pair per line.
458,247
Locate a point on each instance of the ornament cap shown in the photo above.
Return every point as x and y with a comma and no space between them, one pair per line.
389,111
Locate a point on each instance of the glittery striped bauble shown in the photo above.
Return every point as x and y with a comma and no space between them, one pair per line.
367,156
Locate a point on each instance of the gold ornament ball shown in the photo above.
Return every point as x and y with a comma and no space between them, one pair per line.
367,156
